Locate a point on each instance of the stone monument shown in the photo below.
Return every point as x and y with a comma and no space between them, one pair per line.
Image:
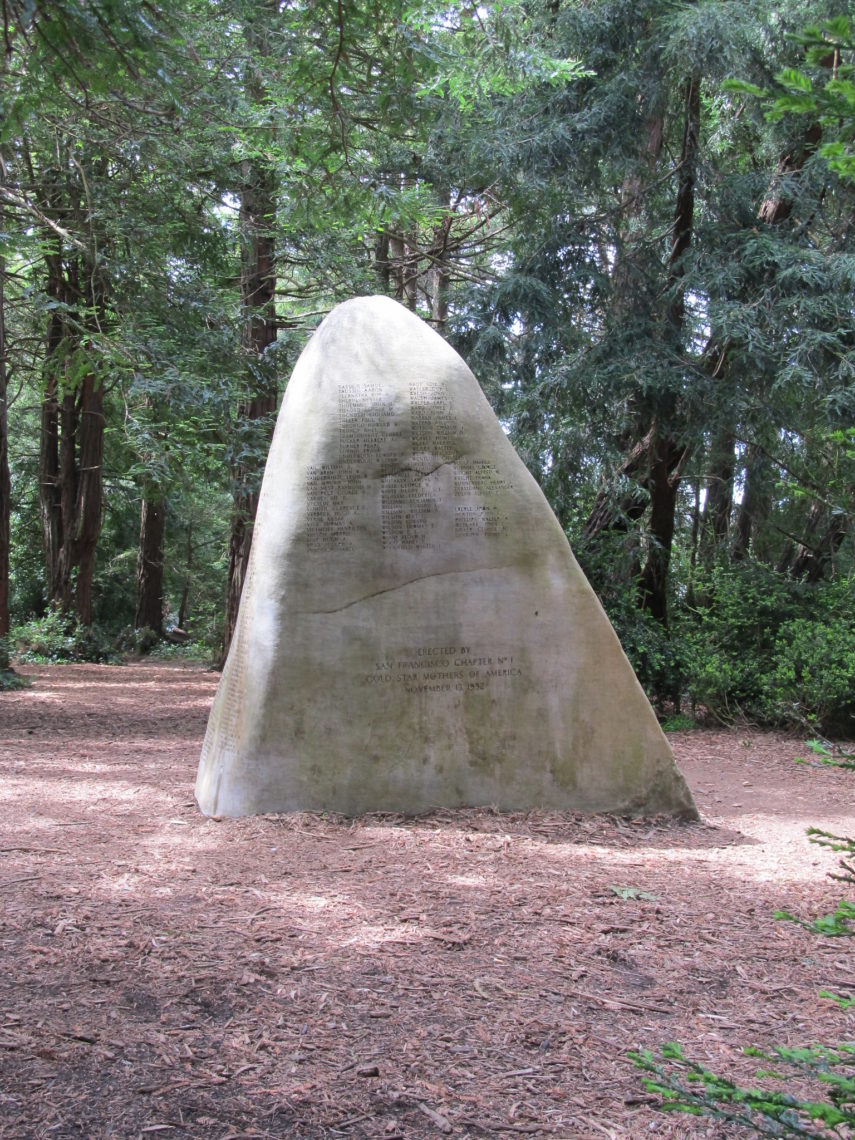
414,630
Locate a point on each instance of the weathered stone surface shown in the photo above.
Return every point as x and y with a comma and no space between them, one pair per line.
415,631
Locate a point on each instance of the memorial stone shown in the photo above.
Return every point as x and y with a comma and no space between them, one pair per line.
414,631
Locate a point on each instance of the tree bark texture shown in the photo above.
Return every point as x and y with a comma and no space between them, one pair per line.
812,558
715,525
258,282
755,507
666,458
667,454
657,460
629,290
188,579
149,611
5,481
71,447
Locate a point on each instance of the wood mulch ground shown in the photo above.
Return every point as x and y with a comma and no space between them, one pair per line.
465,974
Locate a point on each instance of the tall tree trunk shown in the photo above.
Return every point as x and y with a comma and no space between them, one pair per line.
667,454
71,446
258,329
149,611
397,265
439,273
823,535
411,271
49,476
5,481
628,300
88,499
628,292
755,506
188,578
382,264
666,458
715,525
258,282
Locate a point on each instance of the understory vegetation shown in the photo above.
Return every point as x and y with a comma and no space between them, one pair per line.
634,221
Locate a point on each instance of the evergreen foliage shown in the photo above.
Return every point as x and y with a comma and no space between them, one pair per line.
647,261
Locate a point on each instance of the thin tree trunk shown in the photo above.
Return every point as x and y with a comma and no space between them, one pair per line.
88,500
188,577
5,480
70,460
823,535
411,272
626,296
439,274
693,552
397,268
149,611
258,281
49,476
718,508
667,455
754,508
663,482
258,331
381,260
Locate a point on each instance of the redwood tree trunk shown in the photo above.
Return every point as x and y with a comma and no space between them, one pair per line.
812,558
5,481
715,526
667,454
49,477
755,506
655,461
663,482
88,498
71,453
188,578
149,612
258,281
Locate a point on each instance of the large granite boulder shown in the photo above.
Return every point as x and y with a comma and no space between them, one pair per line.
414,631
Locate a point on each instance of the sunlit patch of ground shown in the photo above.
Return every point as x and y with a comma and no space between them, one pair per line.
468,974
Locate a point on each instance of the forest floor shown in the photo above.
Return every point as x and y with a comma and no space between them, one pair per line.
467,973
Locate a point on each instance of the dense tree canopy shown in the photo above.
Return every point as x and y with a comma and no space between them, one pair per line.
634,220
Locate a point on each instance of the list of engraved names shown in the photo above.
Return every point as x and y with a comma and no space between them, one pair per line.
408,448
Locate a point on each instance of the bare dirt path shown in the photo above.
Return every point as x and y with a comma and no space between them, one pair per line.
466,974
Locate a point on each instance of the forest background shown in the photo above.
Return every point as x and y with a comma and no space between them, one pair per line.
634,221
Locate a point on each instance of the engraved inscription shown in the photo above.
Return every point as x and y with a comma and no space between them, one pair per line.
444,669
361,422
479,481
479,520
481,474
410,512
433,429
380,437
230,706
332,493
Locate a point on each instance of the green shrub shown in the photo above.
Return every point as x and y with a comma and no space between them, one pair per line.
812,678
9,679
57,637
730,638
656,655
